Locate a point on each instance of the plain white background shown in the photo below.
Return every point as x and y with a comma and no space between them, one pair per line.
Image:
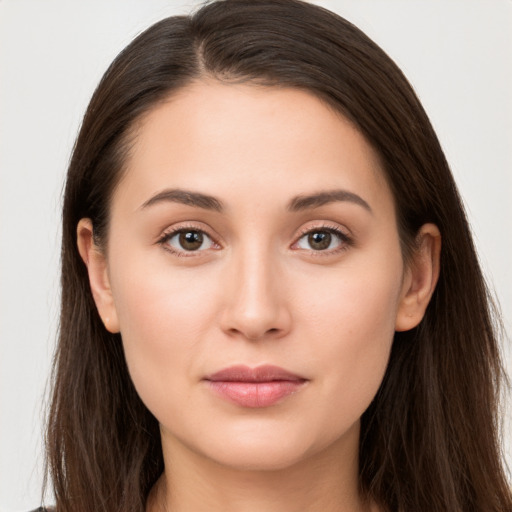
456,53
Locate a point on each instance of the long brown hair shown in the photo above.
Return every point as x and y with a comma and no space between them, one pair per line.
430,439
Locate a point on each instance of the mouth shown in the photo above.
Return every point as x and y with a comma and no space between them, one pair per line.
258,387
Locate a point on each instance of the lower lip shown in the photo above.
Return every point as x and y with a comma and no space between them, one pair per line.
256,394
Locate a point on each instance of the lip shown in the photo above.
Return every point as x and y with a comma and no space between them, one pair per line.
258,387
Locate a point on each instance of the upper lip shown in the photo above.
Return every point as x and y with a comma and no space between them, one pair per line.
264,373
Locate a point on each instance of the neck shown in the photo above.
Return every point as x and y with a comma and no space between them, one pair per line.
327,481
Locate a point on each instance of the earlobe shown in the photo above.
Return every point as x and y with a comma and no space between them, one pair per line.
420,279
96,264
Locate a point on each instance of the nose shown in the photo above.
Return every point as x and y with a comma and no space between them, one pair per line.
256,307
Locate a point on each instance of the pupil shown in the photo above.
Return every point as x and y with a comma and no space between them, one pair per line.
320,240
191,240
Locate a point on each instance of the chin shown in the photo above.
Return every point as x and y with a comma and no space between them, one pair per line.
257,457
272,449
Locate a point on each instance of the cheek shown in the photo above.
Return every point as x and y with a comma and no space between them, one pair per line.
163,315
352,318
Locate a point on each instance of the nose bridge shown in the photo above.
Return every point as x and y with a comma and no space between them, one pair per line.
256,306
255,271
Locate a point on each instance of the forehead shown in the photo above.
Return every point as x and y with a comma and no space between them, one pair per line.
217,137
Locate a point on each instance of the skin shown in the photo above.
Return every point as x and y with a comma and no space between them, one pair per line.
258,291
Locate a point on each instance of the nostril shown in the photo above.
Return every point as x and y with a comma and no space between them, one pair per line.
255,313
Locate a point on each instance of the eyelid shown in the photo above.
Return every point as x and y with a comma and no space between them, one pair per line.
346,239
171,231
344,235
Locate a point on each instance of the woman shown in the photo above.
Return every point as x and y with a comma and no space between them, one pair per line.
257,312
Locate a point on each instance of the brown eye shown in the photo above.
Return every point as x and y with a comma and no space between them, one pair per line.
323,240
319,240
188,240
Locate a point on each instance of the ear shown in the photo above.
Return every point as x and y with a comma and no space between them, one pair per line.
96,263
420,278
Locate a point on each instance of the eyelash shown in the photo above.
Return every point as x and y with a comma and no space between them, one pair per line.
345,240
169,234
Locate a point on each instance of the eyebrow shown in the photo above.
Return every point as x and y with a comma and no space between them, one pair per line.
298,203
305,202
187,197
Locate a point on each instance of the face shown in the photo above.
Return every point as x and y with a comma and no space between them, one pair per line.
255,274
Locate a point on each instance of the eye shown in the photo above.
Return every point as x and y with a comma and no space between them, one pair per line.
323,239
187,240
